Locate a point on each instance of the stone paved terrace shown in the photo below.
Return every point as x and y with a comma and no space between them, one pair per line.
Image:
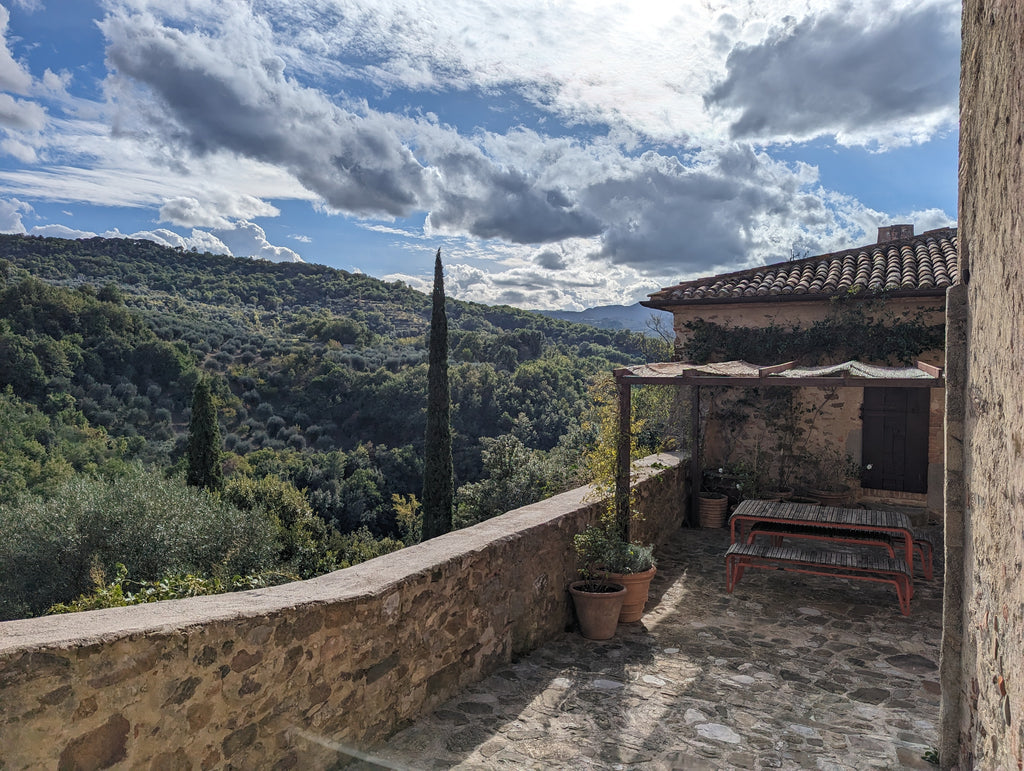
790,672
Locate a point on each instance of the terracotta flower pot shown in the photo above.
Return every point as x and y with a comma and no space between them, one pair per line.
713,509
638,586
598,612
830,497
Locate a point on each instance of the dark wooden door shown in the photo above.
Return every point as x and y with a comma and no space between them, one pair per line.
895,439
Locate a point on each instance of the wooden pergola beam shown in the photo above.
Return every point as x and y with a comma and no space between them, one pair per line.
744,381
622,459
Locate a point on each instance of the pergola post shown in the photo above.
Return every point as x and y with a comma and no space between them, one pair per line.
696,474
622,459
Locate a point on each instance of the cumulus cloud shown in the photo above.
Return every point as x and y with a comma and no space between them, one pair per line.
520,283
243,239
11,211
247,239
60,231
550,260
222,90
18,114
199,240
218,211
878,75
13,77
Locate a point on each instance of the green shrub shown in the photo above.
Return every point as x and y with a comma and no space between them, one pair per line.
50,549
118,593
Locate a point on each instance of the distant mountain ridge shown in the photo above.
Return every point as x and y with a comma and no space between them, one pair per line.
632,317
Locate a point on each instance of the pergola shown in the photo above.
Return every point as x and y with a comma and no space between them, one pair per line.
740,374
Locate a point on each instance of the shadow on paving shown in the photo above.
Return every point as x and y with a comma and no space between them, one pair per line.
791,671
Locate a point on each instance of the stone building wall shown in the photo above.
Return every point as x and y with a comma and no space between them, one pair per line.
839,424
804,313
983,635
288,677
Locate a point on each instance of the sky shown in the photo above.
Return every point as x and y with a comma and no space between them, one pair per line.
561,154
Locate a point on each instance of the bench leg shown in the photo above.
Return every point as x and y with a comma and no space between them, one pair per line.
924,552
733,572
904,591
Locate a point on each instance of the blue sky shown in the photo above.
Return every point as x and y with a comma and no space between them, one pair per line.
561,154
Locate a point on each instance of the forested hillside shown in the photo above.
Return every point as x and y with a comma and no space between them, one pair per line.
319,376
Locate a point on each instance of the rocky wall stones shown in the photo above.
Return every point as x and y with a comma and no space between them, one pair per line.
297,675
990,729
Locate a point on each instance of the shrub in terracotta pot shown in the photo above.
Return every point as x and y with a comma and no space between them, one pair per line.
603,555
832,474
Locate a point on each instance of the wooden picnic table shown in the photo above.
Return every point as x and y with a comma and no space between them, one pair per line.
823,524
833,521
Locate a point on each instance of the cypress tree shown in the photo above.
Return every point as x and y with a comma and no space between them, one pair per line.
438,485
204,453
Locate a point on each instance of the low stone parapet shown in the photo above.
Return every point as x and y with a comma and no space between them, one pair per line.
289,676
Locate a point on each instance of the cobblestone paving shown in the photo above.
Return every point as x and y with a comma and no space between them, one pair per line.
789,672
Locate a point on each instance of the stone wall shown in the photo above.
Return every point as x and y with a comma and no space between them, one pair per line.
291,676
986,706
805,313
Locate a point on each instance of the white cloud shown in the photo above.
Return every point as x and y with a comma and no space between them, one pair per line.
216,212
11,211
13,77
866,76
60,231
247,239
19,150
18,114
21,114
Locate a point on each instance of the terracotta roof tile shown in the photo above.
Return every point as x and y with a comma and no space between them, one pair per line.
925,262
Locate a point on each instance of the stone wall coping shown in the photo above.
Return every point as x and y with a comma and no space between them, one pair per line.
368,579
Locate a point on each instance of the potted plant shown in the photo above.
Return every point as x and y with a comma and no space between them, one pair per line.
712,507
832,475
605,557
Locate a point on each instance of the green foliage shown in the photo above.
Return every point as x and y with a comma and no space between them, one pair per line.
515,476
438,481
606,547
360,546
119,592
153,525
38,451
409,518
302,536
204,443
319,377
847,333
599,551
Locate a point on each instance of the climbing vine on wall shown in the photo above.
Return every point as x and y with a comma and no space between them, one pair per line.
846,334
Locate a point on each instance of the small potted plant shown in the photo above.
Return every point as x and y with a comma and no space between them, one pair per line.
597,600
604,557
832,476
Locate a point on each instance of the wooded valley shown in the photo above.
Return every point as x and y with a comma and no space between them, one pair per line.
319,380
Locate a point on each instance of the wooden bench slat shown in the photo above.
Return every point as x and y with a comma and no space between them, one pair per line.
877,567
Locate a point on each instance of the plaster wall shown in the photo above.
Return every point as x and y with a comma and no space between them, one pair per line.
988,701
294,675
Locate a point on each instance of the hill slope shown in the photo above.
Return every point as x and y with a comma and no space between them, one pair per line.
320,373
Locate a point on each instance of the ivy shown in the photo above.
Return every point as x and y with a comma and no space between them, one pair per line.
846,334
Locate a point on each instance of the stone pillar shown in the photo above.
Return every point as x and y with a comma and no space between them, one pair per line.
953,588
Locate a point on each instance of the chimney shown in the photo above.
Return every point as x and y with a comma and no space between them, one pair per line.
895,233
